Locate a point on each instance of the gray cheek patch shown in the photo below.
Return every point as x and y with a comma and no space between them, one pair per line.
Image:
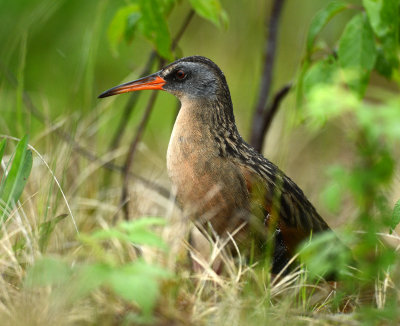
201,81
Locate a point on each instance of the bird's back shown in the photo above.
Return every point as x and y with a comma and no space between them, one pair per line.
285,206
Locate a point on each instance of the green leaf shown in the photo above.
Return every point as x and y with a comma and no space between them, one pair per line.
146,237
2,148
122,25
107,234
142,222
382,65
210,10
153,26
136,231
323,72
90,277
384,18
332,197
395,216
14,183
48,271
383,15
321,19
326,255
139,282
357,53
132,24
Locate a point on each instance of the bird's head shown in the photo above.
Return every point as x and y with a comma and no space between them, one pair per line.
190,78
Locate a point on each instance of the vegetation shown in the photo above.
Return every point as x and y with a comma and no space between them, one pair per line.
89,231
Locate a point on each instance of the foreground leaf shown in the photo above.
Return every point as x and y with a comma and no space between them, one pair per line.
395,217
384,18
122,25
321,19
154,26
357,53
48,271
210,10
13,185
325,255
323,72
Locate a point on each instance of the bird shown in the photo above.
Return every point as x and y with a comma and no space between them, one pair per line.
219,179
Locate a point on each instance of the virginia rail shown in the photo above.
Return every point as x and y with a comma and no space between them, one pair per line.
217,176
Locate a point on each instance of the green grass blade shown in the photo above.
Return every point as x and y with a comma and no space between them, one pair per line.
2,148
46,229
17,177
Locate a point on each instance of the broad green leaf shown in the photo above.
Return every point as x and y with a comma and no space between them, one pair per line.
357,52
139,288
48,271
139,282
325,255
332,197
383,15
122,25
142,222
90,277
107,234
210,10
323,72
146,237
136,231
154,26
395,216
321,19
382,65
132,24
13,185
328,101
384,18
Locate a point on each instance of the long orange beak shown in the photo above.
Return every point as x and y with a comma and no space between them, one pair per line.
153,81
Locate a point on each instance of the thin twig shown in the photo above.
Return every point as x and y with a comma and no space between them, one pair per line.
257,135
182,30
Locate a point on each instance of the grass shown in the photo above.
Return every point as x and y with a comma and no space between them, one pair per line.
243,295
43,259
66,192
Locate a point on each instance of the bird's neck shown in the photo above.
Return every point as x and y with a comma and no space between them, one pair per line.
205,125
214,114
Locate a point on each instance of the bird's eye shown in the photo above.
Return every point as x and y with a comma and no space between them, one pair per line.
180,74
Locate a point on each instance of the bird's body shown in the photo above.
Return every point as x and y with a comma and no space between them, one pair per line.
217,176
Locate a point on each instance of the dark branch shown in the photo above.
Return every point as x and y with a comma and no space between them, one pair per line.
257,135
273,108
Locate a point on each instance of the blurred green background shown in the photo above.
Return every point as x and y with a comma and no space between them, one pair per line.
56,58
60,54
